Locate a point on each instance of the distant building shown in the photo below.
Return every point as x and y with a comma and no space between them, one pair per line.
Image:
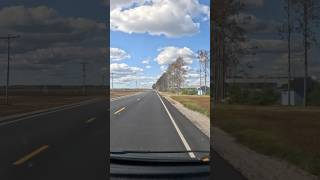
202,90
295,98
296,93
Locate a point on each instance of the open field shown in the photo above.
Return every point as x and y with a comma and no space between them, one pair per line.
289,133
194,102
123,92
23,104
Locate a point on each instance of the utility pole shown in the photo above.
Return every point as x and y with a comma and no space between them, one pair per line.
84,64
205,76
289,52
305,34
8,38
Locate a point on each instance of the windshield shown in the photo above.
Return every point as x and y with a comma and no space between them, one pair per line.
157,70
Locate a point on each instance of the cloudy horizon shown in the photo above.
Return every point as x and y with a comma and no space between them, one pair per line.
147,36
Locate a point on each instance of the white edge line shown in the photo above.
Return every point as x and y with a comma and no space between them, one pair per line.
184,141
41,114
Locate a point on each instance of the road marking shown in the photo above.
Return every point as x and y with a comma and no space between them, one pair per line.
117,112
184,141
90,120
56,109
121,97
31,155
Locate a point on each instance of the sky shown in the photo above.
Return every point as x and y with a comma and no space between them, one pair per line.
148,35
262,32
56,37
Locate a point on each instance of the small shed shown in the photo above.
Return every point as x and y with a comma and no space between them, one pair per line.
202,90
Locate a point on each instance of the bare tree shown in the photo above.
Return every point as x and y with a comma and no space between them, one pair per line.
286,33
173,78
179,73
227,43
307,16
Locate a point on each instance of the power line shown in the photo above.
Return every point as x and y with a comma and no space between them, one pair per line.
8,38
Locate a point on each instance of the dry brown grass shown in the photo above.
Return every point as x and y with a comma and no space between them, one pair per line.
23,104
118,93
287,133
197,103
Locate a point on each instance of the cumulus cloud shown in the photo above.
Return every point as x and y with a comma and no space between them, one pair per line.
170,54
42,27
122,3
172,18
146,61
52,46
252,24
148,66
123,68
117,54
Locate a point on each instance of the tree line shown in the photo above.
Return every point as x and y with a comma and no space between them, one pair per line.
228,39
173,78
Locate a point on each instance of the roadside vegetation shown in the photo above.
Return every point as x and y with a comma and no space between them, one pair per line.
197,103
24,99
23,104
289,133
123,92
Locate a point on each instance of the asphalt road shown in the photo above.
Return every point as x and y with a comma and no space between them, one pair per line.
141,122
73,143
66,144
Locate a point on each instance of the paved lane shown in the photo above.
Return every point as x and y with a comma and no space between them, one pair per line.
142,122
67,144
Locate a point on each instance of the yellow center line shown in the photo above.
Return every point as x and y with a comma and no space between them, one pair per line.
29,156
90,120
117,112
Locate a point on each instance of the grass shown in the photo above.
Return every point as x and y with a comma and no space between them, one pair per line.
119,92
292,134
27,103
197,103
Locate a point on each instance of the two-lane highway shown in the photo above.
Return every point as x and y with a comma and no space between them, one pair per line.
73,142
148,122
69,143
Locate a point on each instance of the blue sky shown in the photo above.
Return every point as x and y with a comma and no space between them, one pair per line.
147,40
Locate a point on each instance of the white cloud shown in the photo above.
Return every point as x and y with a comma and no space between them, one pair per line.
148,66
163,68
172,18
124,69
170,54
117,54
122,3
146,61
